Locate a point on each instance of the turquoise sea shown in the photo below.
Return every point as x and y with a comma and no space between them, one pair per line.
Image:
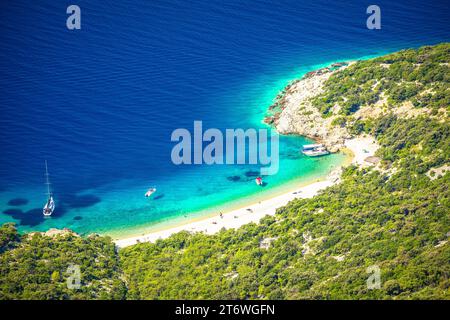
100,103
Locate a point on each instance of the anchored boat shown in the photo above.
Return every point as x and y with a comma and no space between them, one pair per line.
315,150
259,181
150,192
49,206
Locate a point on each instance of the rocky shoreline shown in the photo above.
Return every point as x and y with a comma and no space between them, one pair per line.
293,113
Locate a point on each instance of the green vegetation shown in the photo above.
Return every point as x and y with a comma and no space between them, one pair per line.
36,266
421,76
398,220
393,216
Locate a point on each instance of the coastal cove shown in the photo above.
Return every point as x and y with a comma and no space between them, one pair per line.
230,190
224,157
387,212
107,139
125,213
252,209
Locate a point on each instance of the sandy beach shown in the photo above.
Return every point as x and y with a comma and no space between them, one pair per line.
309,122
360,148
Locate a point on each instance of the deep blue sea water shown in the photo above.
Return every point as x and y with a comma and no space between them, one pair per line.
99,104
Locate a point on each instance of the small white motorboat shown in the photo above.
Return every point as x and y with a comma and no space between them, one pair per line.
150,192
314,150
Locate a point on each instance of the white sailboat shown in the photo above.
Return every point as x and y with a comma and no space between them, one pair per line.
49,206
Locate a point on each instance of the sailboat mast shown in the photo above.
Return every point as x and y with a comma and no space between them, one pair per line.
47,180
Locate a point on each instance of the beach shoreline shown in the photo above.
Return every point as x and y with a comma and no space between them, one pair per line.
359,147
236,204
286,106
